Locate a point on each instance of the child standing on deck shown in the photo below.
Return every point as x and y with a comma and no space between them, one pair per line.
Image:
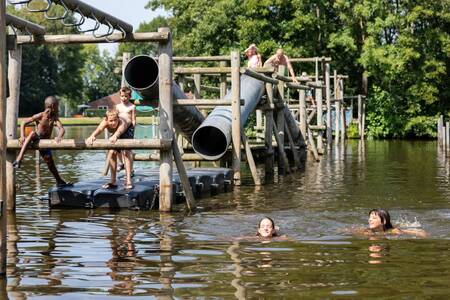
127,111
44,128
118,128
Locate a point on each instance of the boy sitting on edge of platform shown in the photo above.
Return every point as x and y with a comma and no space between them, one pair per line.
118,128
127,111
44,127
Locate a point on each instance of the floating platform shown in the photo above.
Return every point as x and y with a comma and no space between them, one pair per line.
205,182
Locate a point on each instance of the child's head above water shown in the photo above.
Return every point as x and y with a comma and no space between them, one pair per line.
379,220
266,227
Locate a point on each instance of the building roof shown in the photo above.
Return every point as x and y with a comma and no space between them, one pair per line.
110,101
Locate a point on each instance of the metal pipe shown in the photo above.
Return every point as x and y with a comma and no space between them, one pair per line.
24,24
141,74
101,16
212,138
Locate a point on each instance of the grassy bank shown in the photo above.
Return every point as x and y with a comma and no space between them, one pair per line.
97,120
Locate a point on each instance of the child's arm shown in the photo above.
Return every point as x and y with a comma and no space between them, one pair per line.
25,123
122,128
291,70
133,116
90,140
259,61
61,131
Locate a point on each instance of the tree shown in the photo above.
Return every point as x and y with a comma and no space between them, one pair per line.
48,70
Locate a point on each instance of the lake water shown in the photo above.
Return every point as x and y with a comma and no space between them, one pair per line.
100,254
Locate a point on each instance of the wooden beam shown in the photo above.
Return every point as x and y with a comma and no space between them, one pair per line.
3,89
157,37
201,58
156,157
204,102
310,59
236,115
101,144
256,75
199,70
250,160
166,121
190,200
12,113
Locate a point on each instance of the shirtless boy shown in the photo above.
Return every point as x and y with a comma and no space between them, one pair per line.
127,111
280,59
118,128
44,127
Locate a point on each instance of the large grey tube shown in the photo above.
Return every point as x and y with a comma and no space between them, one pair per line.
141,74
212,138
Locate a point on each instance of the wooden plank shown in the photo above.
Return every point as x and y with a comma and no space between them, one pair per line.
12,113
223,58
166,122
280,118
100,144
156,157
250,160
236,115
190,200
259,76
203,70
319,104
138,37
3,78
292,146
268,111
312,145
310,59
302,110
223,81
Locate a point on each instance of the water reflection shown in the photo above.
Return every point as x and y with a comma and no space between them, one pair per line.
83,254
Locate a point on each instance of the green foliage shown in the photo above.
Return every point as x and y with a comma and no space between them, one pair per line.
99,79
48,70
92,112
352,131
421,127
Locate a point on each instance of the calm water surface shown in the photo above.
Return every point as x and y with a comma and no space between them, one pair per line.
98,254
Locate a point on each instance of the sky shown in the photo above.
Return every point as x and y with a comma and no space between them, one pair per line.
130,11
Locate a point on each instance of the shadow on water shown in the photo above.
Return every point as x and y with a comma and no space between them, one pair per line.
98,254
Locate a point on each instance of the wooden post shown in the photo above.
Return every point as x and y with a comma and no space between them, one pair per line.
444,140
165,121
280,144
292,146
302,114
280,117
440,131
341,97
125,59
3,75
236,115
319,119
250,160
190,200
447,134
363,118
360,116
337,107
197,86
223,81
259,125
268,110
328,99
12,109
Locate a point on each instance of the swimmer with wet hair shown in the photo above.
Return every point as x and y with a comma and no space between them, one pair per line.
380,222
266,228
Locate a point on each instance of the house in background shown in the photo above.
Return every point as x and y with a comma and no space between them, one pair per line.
107,102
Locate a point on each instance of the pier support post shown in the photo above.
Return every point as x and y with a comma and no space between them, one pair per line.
12,113
319,119
190,200
302,112
165,121
279,106
363,118
125,58
439,129
447,134
236,115
268,111
3,75
341,98
360,130
328,99
223,81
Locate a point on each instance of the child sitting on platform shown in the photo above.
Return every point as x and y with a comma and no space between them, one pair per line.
44,127
118,128
127,111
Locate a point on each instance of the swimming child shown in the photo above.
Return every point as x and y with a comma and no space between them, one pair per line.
127,111
380,222
266,228
118,128
45,121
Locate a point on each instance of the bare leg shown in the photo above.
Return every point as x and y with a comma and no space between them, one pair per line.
28,140
51,166
113,166
127,161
